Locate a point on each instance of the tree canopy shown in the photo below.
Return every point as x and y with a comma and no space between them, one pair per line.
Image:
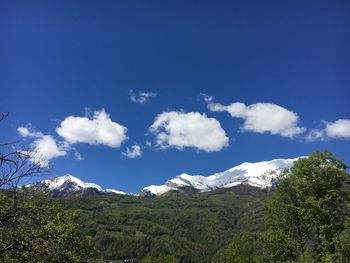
306,217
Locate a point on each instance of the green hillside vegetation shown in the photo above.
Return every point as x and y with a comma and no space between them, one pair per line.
178,227
305,219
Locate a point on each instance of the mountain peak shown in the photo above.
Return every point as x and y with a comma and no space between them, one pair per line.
59,182
68,184
259,174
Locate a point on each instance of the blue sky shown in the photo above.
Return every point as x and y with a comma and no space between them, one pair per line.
283,66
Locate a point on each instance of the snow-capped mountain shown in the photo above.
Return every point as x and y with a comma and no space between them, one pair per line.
68,184
260,174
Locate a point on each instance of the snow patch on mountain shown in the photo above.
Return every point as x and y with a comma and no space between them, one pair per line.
71,183
113,191
259,174
58,182
158,189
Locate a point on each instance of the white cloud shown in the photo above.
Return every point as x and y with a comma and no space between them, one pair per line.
141,97
28,132
262,117
99,129
46,148
339,129
134,152
180,130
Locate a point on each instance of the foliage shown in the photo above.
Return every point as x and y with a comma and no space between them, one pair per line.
305,217
34,228
309,208
244,248
186,227
278,246
42,230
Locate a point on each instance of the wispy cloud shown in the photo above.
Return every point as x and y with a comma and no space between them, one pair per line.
28,131
206,98
141,97
134,152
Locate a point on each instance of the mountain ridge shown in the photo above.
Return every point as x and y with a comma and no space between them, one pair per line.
258,174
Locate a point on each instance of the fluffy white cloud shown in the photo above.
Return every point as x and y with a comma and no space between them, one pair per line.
141,97
180,130
134,152
45,147
262,117
337,129
99,129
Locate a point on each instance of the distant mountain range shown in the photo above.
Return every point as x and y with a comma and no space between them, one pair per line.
259,174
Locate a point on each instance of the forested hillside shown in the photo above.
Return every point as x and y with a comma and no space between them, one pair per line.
186,227
304,219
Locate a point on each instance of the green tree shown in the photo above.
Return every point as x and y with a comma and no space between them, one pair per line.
342,245
307,211
41,231
244,248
